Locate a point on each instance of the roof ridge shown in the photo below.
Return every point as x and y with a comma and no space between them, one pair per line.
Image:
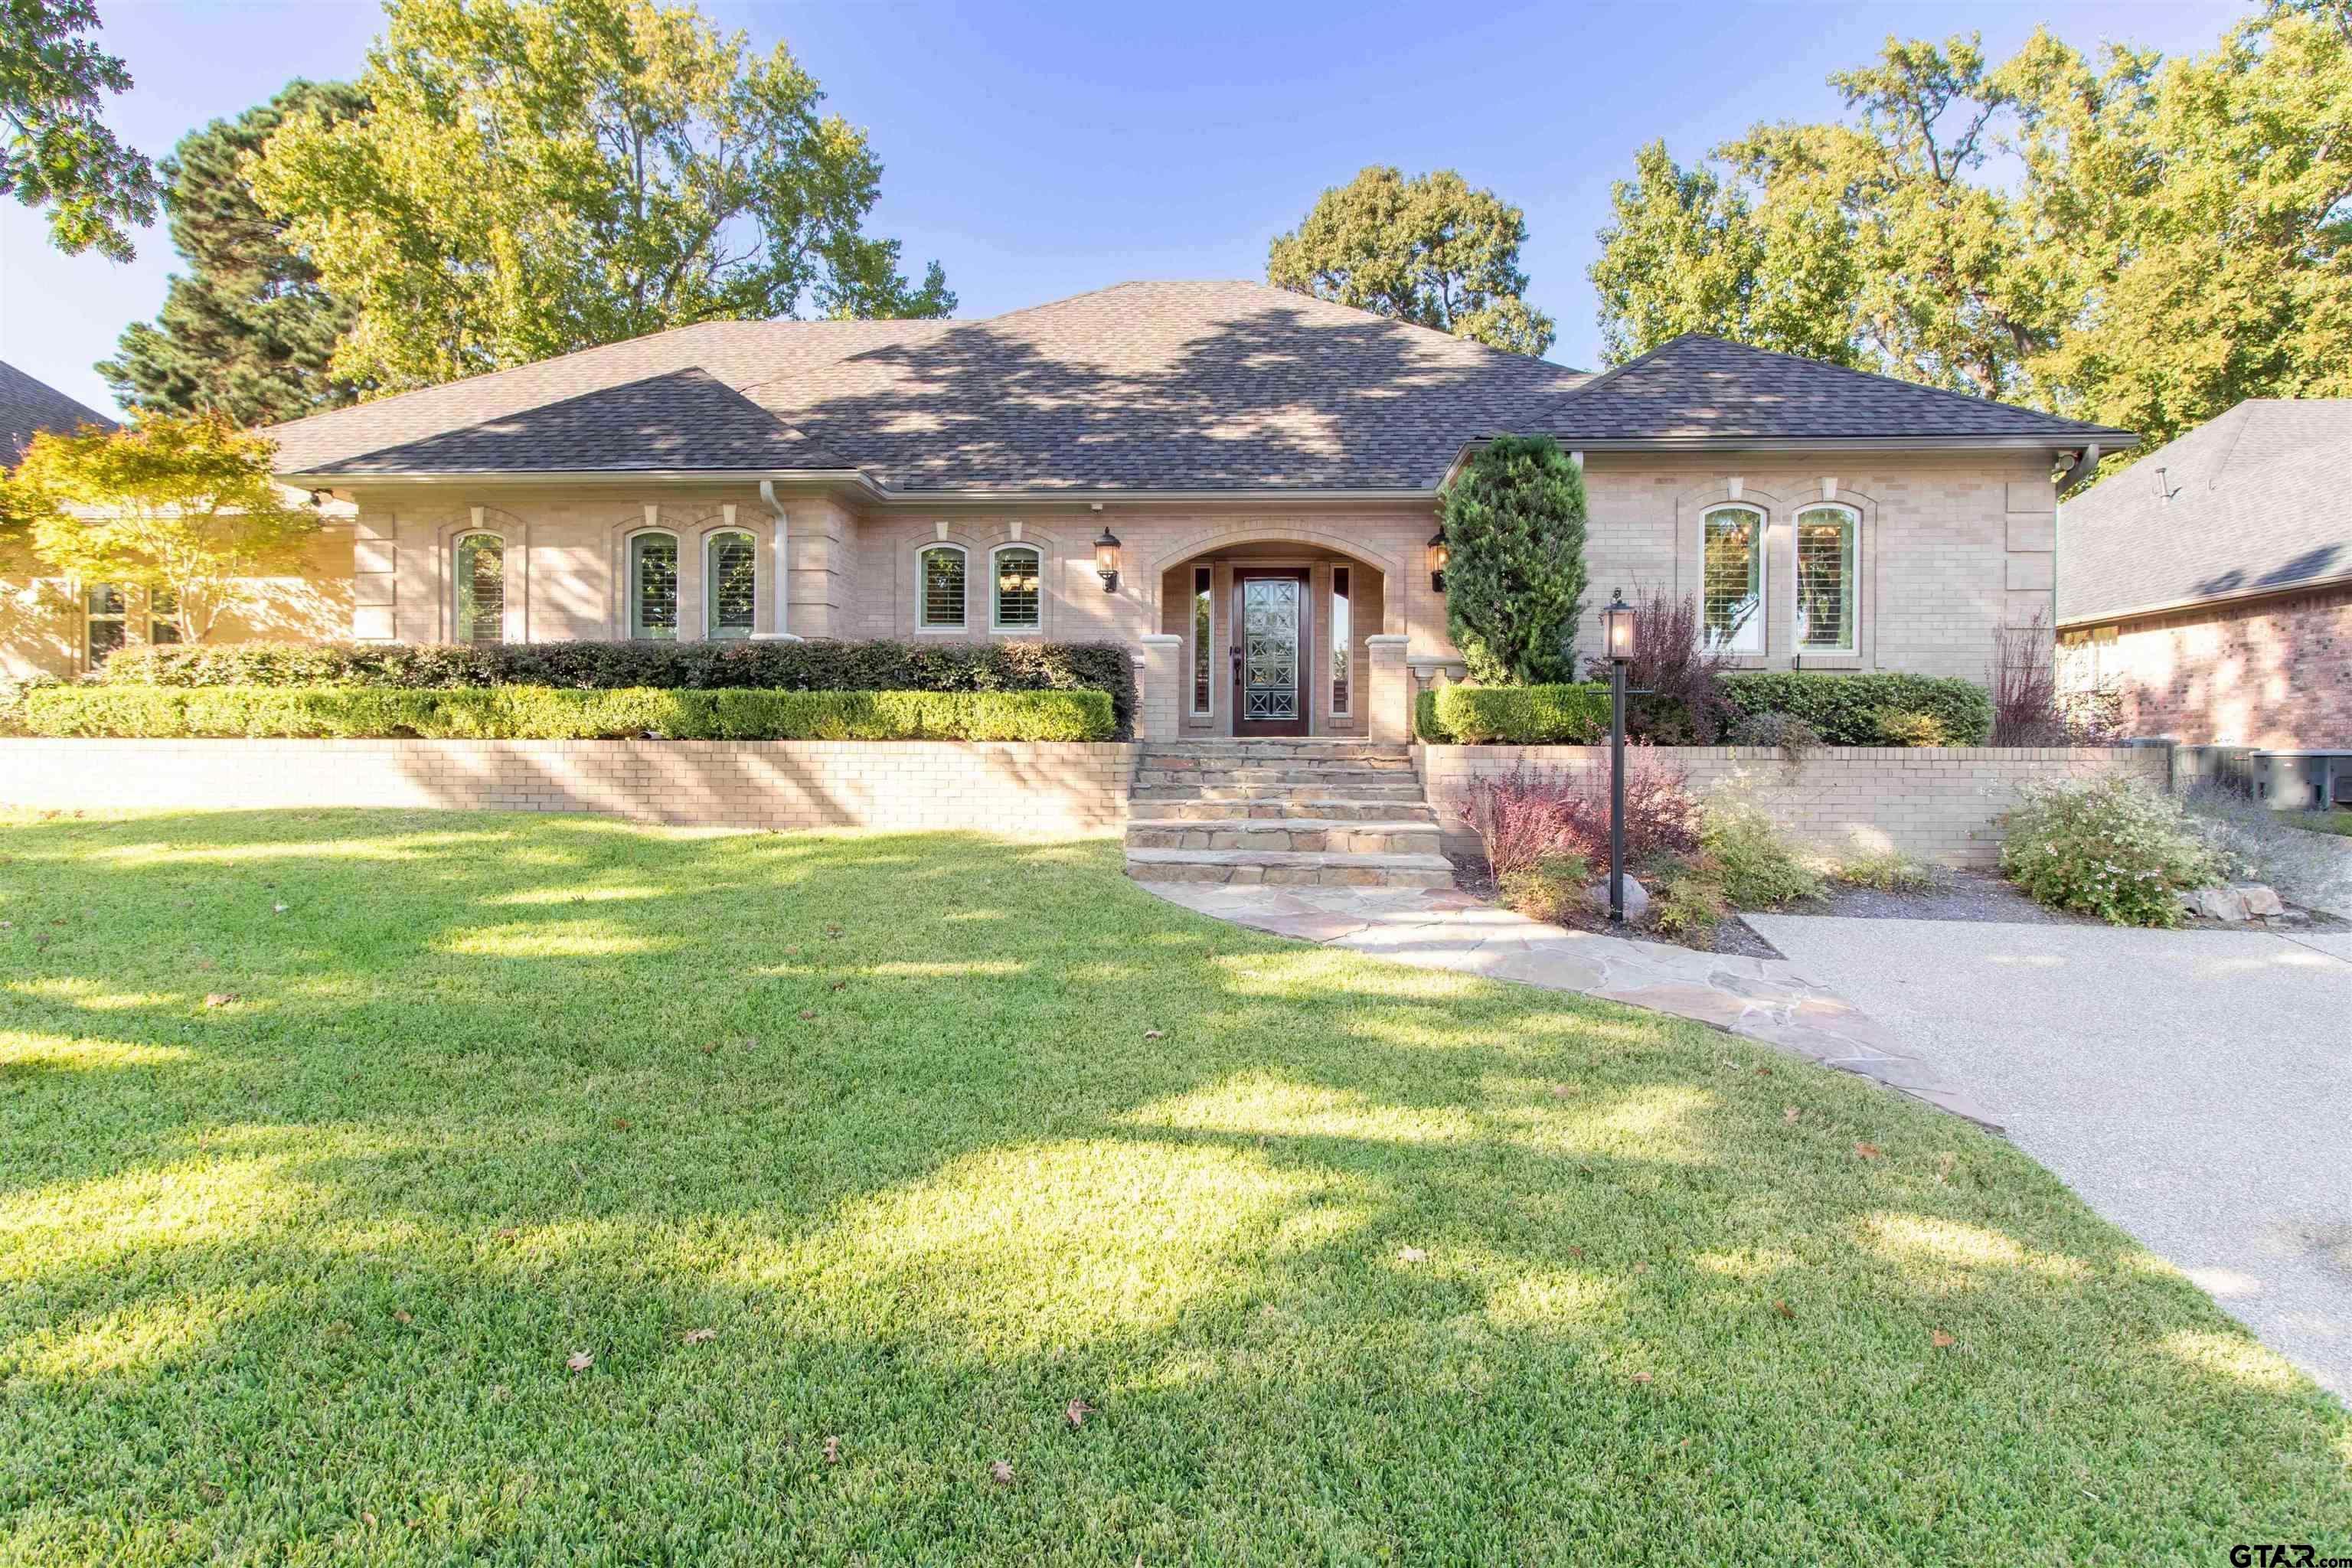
1614,371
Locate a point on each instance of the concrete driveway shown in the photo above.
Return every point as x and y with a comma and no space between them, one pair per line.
2194,1087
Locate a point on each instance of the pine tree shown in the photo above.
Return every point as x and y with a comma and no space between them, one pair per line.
246,332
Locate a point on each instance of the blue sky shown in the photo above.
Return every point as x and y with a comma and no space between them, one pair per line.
1042,150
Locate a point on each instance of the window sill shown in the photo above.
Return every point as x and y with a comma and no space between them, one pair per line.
943,631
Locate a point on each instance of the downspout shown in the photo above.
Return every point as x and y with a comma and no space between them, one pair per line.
2084,463
783,573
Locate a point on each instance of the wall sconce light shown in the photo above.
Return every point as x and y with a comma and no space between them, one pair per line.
1106,560
1440,553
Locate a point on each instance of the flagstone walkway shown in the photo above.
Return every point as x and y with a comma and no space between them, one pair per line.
1760,999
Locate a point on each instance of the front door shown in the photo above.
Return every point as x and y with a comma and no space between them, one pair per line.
1270,616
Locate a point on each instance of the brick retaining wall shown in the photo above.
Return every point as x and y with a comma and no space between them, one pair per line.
1044,790
1938,804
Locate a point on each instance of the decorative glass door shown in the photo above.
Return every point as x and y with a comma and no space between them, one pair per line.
1269,650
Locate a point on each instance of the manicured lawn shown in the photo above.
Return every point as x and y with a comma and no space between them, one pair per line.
2325,822
909,1143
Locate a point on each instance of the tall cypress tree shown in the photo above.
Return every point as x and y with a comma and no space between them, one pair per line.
246,331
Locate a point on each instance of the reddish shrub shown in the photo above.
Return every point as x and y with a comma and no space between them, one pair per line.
1682,700
1529,813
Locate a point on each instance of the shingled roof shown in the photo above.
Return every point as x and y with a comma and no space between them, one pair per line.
2251,502
1697,388
1142,386
29,406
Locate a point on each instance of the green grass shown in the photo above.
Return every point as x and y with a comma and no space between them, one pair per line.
2339,822
938,1134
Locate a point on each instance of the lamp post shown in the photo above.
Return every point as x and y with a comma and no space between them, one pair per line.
1617,636
1106,560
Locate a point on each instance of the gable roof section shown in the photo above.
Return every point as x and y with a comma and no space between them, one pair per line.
1696,389
1200,387
28,406
2251,502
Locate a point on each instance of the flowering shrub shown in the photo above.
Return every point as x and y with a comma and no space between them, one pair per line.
1522,816
2112,847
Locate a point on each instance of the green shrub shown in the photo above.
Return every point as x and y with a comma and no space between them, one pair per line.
1754,865
1905,727
1519,715
819,666
2109,847
1845,709
542,713
1687,900
1887,871
13,693
1550,890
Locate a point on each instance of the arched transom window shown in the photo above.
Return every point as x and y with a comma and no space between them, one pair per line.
479,562
730,569
1731,595
653,586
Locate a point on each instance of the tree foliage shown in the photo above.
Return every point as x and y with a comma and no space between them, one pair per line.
184,506
538,176
1514,581
57,153
246,331
1428,250
2128,239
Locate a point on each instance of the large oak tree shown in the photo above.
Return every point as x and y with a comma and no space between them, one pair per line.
55,151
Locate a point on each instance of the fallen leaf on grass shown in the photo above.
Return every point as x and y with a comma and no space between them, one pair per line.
1763,1072
808,1011
1868,1151
219,999
277,908
1641,1268
840,985
368,1519
1412,1255
402,1316
1000,1472
1641,1377
1076,1411
1782,1307
1563,1092
697,1336
580,1361
1943,1163
507,1233
620,1124
833,1450
1155,1034
1576,1252
1942,1340
1790,1113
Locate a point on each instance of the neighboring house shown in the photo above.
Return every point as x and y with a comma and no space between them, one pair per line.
2206,589
1260,458
28,407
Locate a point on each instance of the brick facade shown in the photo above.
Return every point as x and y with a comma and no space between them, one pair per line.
1940,804
2276,673
1055,791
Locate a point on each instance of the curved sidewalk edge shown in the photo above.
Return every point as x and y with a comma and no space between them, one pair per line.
1757,999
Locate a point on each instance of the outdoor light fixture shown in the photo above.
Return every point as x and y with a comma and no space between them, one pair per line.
1617,629
1106,560
1617,636
1440,553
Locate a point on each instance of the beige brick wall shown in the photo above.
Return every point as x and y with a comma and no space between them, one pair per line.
1940,804
1052,791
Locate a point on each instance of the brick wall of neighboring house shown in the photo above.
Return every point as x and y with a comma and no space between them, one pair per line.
1941,803
1055,790
2275,673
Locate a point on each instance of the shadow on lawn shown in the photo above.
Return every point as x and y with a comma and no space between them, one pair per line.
888,1114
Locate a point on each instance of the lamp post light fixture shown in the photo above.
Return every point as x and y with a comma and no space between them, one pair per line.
1618,635
1440,553
1106,560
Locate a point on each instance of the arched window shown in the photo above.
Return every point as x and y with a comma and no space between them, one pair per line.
653,586
1828,556
1731,578
939,588
729,566
1017,605
481,563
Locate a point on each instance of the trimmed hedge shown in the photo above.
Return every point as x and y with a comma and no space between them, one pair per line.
542,713
1846,709
818,666
1514,715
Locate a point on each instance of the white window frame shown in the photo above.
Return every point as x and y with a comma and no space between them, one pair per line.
1763,558
996,623
89,659
1796,645
633,590
923,622
711,627
457,584
1192,607
1343,644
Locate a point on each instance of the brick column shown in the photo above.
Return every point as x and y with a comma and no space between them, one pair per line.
1390,687
1161,676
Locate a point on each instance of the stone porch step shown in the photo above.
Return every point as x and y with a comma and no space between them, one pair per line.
1297,868
1307,751
1311,789
1323,835
1152,775
1178,807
